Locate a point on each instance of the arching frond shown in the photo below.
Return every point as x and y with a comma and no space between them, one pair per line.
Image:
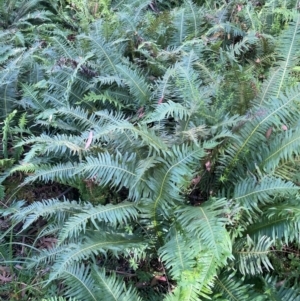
61,172
287,51
251,193
284,147
107,55
95,243
169,109
253,133
111,214
279,222
178,255
47,208
187,21
112,288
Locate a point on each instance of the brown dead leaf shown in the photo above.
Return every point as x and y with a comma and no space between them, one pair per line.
269,132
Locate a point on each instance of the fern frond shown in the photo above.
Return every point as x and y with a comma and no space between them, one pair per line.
164,86
232,288
187,22
182,258
287,170
282,221
207,224
253,132
57,144
6,129
64,47
117,170
103,98
107,54
288,49
281,293
250,194
136,82
79,283
224,28
47,208
243,46
170,178
287,52
132,14
112,288
197,282
86,121
288,293
110,214
96,243
168,109
48,256
284,147
62,172
253,257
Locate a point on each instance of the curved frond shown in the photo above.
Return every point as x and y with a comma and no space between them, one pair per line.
287,52
96,243
46,208
281,221
62,172
284,147
171,177
178,255
111,214
251,193
253,133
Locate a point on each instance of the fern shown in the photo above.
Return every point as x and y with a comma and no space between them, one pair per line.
175,123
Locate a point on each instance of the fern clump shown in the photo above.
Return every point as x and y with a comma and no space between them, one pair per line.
166,134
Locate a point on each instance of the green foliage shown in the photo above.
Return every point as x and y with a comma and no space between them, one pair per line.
173,127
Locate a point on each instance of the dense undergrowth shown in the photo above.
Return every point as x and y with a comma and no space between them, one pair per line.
150,150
